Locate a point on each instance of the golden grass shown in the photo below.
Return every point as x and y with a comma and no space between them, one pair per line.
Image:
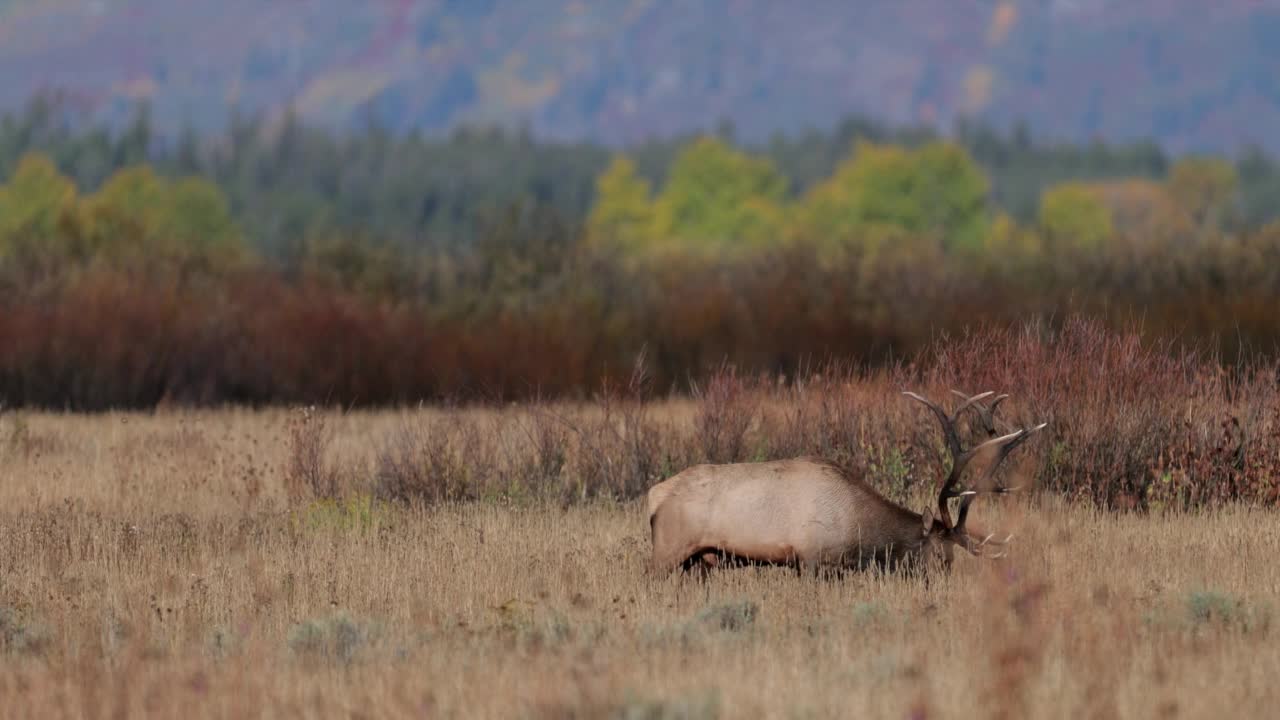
151,566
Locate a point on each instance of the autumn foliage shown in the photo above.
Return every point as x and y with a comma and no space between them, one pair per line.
145,291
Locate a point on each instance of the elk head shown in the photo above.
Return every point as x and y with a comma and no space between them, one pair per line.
997,448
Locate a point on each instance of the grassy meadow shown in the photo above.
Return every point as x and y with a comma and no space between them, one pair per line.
286,563
514,338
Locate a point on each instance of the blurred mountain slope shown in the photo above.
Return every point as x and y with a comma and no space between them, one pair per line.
1193,75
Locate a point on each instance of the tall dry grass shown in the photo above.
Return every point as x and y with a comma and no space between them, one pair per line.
127,591
490,562
480,610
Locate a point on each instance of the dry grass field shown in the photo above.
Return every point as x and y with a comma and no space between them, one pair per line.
183,564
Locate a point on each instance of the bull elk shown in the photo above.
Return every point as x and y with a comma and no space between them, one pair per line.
808,513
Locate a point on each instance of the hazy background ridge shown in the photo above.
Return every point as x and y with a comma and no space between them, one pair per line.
1187,75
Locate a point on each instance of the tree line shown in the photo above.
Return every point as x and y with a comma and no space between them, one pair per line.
284,180
279,263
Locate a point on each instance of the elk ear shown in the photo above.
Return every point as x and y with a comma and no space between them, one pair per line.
926,518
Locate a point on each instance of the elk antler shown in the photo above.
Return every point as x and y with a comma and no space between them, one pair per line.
1012,441
960,458
999,548
986,415
949,421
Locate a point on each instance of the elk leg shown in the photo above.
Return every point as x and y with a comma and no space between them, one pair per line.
808,567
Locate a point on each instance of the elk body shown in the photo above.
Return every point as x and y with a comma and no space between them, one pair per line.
809,513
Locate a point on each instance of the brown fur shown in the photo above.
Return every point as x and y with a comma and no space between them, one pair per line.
805,512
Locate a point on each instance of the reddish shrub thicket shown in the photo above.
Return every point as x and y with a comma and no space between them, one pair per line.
124,341
1132,422
99,337
1131,425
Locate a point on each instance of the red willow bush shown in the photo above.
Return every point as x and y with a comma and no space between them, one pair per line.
101,337
1132,423
119,340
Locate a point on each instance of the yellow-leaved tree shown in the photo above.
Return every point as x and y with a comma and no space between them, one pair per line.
139,217
1072,215
1145,214
888,193
1206,188
719,201
622,215
38,215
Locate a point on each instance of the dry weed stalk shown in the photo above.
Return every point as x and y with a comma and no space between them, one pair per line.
310,472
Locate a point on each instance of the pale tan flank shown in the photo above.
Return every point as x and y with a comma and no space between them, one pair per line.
810,513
